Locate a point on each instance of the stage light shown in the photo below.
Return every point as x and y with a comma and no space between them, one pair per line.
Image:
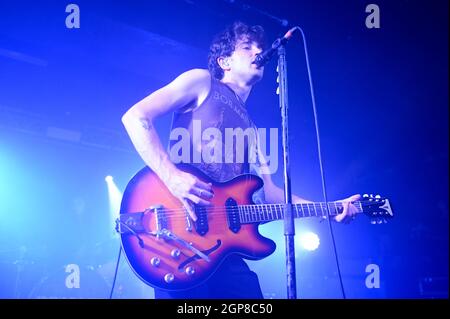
115,198
309,241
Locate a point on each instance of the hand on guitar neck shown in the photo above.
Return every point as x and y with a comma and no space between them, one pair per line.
349,211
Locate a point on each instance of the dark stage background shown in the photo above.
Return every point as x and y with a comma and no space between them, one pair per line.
382,98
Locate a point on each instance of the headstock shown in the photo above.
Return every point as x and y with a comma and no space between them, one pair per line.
377,208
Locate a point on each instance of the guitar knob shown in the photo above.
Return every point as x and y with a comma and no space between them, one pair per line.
190,271
155,261
175,253
169,278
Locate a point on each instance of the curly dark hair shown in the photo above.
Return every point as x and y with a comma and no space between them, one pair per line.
225,42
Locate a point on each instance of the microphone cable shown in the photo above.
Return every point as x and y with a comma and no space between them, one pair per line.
322,175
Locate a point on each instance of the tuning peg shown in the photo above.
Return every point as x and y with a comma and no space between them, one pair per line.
278,91
373,222
278,79
377,196
365,195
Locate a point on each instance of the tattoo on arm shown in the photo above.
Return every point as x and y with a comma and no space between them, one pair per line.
146,124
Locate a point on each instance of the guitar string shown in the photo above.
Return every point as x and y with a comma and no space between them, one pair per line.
241,208
251,208
176,213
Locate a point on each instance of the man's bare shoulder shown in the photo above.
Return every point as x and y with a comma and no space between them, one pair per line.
191,87
195,77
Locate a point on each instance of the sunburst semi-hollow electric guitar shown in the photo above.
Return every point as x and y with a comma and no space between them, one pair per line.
166,253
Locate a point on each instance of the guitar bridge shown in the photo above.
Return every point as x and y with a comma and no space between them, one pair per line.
160,217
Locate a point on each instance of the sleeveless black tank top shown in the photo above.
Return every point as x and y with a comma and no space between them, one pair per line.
219,132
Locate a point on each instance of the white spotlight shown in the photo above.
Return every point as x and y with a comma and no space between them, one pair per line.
309,241
115,198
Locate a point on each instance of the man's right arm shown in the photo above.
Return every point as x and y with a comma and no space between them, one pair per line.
187,89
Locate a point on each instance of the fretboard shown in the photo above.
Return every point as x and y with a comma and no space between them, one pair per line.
270,212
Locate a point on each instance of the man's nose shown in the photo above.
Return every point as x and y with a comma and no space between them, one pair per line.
256,51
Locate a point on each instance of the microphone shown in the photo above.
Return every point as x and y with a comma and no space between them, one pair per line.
265,56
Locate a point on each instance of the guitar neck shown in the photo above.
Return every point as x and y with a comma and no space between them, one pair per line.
269,212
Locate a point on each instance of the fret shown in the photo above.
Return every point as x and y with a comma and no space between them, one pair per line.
333,211
247,216
336,210
264,211
270,207
258,212
270,212
275,211
281,212
315,210
254,208
308,206
332,208
241,219
323,207
242,215
301,211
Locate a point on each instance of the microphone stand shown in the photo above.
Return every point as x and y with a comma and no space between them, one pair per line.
289,227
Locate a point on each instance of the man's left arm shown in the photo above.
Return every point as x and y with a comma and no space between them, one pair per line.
275,194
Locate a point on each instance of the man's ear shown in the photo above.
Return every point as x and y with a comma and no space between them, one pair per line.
224,62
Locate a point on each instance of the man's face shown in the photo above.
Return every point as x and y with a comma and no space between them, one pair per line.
241,61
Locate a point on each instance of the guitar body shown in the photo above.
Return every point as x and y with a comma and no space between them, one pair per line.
166,262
